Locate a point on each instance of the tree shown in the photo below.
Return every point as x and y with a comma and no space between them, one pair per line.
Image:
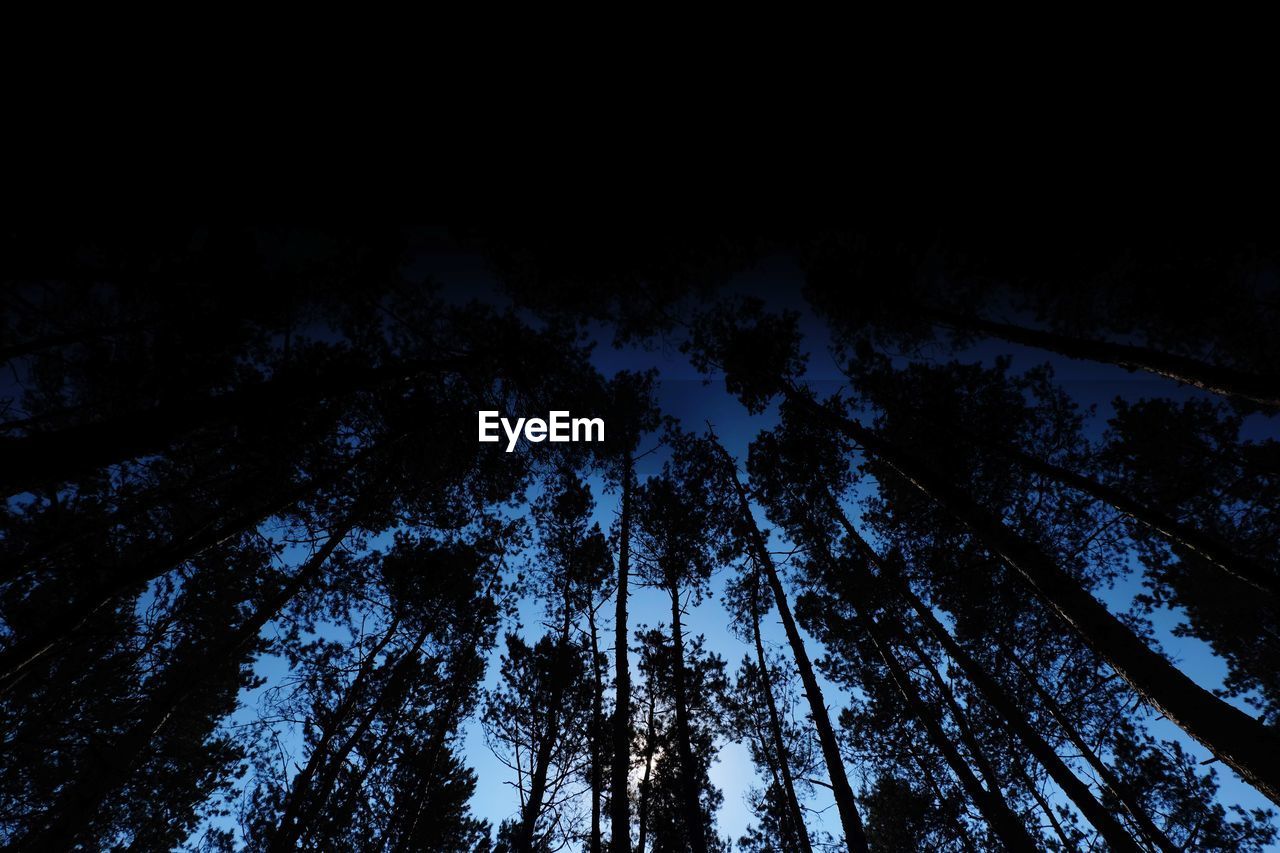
1190,461
682,683
631,400
443,600
758,554
674,553
1239,740
779,751
254,565
340,461
535,722
901,289
801,478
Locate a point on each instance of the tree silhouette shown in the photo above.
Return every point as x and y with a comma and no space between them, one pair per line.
262,589
675,554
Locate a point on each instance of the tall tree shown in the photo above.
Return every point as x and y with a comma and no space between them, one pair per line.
992,692
535,722
758,552
434,591
633,409
675,554
1192,461
902,288
776,748
758,371
694,679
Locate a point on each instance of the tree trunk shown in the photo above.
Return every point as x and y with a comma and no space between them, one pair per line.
994,809
994,694
183,547
344,812
781,755
112,767
854,833
962,831
1206,546
287,830
542,760
977,754
394,692
689,783
1240,741
407,810
1133,807
1018,724
1013,716
1047,808
1224,381
14,660
597,728
619,807
643,809
764,743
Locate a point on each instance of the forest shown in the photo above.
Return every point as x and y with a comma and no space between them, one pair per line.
928,541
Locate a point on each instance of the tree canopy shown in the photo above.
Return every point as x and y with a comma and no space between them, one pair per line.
959,546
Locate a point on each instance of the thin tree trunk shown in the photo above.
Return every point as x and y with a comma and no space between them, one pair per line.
287,830
1224,381
343,812
926,773
689,784
643,809
81,611
1240,741
408,810
597,728
781,755
1047,808
977,753
112,767
1206,546
180,549
392,693
619,807
997,697
542,760
764,743
854,833
1018,724
994,809
1132,806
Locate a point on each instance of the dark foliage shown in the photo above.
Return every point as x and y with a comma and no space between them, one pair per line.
260,587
